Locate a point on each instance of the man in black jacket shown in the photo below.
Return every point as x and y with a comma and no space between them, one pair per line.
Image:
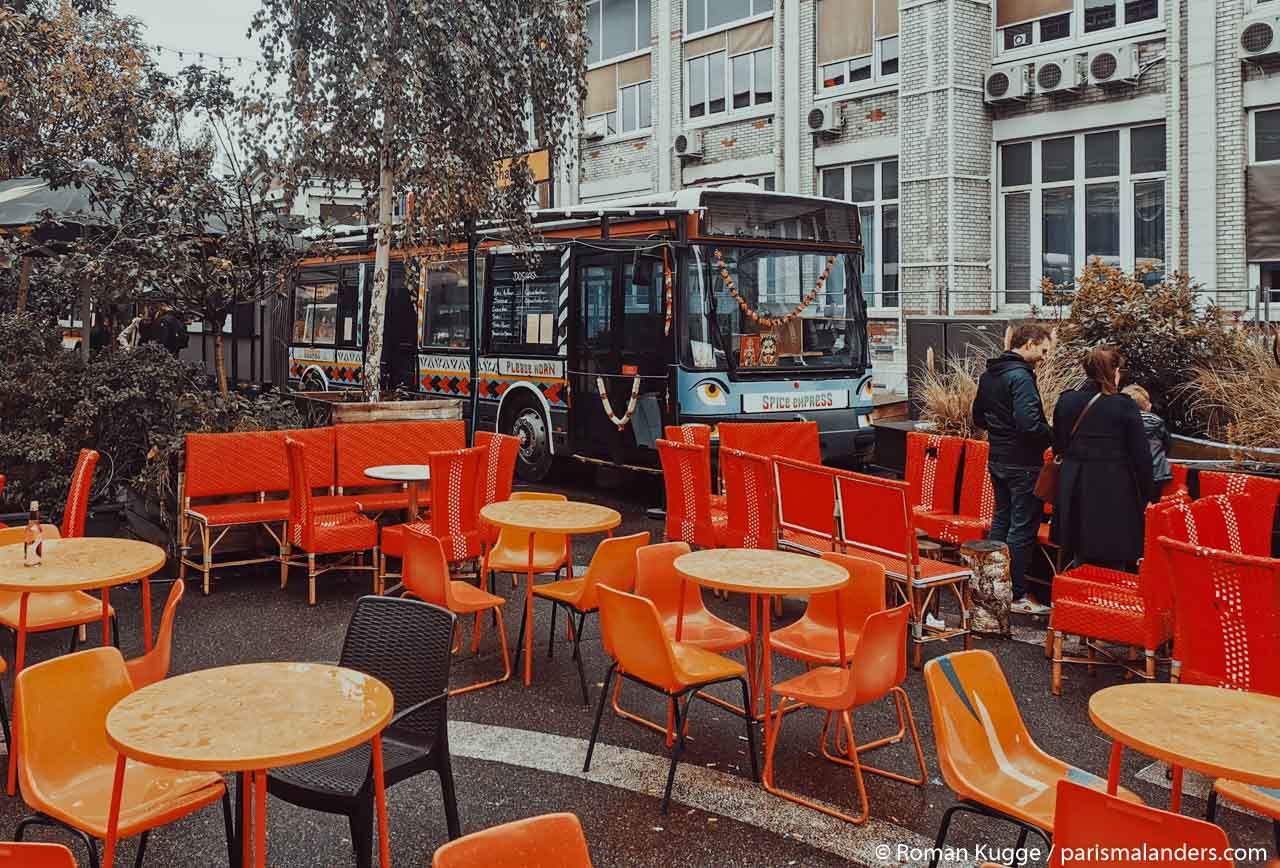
1008,406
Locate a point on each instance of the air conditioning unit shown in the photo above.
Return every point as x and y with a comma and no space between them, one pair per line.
826,118
1260,37
1115,65
1007,83
689,144
1061,74
596,128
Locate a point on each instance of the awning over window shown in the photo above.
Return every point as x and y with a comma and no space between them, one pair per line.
1013,11
751,37
705,45
886,18
1263,213
634,71
602,91
844,29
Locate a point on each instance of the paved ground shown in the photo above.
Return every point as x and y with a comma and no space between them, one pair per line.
519,752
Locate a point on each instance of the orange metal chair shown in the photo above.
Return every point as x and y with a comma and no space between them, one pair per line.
880,530
986,755
972,519
878,670
752,518
686,474
345,533
154,665
813,638
1260,800
549,841
614,565
498,476
16,855
1226,618
510,554
808,511
426,576
642,652
67,768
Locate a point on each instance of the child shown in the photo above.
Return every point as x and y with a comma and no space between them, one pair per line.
1157,434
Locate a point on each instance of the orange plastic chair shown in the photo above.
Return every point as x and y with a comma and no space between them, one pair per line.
1226,616
426,576
549,841
498,473
813,638
808,512
77,508
986,755
16,855
1260,800
613,564
972,519
2,524
686,474
752,521
642,652
878,670
154,665
510,554
67,768
345,533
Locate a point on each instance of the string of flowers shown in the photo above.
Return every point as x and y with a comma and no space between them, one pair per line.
621,421
668,280
754,315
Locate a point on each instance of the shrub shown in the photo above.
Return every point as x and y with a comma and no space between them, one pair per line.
1241,402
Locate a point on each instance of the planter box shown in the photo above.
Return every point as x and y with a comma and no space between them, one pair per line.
339,408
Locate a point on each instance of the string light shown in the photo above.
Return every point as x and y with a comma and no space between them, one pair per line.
181,54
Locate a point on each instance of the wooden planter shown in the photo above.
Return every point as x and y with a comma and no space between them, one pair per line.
339,408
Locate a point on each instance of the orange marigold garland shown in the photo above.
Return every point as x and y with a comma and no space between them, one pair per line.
667,282
620,421
754,315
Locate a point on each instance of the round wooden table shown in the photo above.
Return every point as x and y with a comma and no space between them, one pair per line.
247,719
77,564
566,517
1217,732
412,475
763,574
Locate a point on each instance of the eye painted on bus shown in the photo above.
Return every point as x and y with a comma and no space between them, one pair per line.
711,391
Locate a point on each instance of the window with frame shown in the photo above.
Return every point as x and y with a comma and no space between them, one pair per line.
621,95
873,187
857,42
728,72
1023,23
1264,136
703,15
1067,199
615,28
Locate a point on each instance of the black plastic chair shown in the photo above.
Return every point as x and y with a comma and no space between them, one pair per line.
405,644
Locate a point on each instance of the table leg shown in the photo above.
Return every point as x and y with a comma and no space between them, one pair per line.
380,802
1175,794
113,817
106,618
246,819
528,617
753,672
146,613
680,609
840,645
1113,768
412,493
260,818
20,656
766,664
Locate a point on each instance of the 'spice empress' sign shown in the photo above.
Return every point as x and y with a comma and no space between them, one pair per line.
795,402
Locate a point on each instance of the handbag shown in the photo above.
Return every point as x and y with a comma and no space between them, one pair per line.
1047,482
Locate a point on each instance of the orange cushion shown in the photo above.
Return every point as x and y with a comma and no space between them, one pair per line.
221,514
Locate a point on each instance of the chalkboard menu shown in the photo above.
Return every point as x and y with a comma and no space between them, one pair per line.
524,292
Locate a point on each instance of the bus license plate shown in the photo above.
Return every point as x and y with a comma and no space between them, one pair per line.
795,402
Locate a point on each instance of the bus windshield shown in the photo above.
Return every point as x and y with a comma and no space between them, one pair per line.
783,309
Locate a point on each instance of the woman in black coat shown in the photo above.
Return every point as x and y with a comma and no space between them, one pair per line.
1106,481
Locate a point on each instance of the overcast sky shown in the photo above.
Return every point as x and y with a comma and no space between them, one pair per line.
215,28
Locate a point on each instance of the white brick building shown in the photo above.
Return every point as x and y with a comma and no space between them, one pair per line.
1136,130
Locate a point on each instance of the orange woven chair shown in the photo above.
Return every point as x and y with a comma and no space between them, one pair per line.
798,441
77,508
986,755
499,472
1226,618
1239,523
345,533
426,576
933,469
67,768
881,531
1104,605
1260,800
1179,483
698,434
2,524
878,670
686,474
636,640
549,841
614,565
154,665
1217,482
813,638
457,489
658,582
972,519
15,855
808,511
752,519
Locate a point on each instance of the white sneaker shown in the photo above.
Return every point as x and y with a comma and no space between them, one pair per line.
1026,605
934,623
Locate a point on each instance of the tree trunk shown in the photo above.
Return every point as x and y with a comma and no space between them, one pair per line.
989,587
381,272
86,317
220,361
24,283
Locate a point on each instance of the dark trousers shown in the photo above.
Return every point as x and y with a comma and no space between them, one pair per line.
1016,520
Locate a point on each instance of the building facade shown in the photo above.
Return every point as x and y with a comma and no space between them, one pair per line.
990,144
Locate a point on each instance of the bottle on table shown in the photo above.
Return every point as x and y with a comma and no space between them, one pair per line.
33,539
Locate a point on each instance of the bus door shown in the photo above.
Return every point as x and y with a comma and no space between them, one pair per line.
399,334
618,343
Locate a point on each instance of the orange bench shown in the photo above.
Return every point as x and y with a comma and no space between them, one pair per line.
372,443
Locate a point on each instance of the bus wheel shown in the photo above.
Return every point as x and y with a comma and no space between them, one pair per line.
313,382
528,424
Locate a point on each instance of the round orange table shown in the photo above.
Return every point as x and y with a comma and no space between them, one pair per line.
247,719
763,573
1217,732
568,517
78,564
